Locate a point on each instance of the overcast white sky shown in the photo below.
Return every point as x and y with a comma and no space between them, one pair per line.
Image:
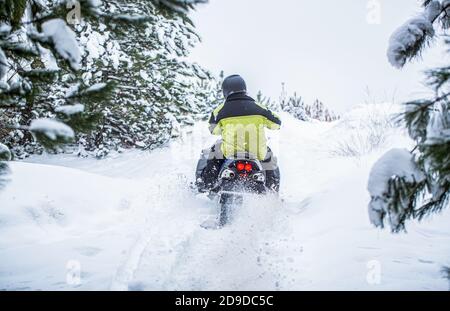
321,49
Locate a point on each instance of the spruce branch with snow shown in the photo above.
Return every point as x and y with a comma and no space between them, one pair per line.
409,40
395,199
428,124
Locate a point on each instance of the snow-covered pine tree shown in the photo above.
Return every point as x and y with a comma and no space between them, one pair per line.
295,106
137,46
282,100
44,96
318,111
209,95
266,101
136,57
36,46
411,185
31,34
157,90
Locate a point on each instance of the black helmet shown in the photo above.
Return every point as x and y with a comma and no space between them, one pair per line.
233,84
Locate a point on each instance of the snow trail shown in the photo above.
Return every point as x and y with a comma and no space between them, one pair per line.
125,273
132,223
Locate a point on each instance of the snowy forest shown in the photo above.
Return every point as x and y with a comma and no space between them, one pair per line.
84,83
104,113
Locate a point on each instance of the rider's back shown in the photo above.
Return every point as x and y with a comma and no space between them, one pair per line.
241,122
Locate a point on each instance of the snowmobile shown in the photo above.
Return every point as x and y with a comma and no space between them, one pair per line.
237,178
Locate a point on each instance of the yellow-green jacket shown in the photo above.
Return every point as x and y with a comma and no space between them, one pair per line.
241,122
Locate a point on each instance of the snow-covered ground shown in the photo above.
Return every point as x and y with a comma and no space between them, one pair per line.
131,222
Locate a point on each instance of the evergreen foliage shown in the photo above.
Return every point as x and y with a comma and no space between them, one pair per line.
296,106
111,71
428,124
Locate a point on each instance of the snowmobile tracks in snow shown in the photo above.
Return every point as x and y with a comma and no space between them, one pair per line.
178,256
125,273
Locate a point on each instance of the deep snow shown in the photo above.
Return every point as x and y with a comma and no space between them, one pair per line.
131,222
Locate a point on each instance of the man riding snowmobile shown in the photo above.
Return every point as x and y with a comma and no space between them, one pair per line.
241,122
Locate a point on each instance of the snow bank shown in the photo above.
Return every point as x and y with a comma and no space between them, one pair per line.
52,129
64,40
366,129
43,194
366,112
46,203
51,216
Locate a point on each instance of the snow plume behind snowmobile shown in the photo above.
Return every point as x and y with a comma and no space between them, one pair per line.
238,177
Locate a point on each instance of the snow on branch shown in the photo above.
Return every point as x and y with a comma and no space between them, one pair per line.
395,168
69,110
52,129
408,40
96,87
64,40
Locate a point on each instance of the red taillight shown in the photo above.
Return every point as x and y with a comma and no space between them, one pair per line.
240,166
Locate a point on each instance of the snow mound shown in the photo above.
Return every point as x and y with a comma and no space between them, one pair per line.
366,112
55,198
366,129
